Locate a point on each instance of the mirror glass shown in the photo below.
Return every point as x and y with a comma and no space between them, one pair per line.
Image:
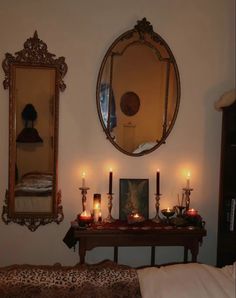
138,91
34,97
34,79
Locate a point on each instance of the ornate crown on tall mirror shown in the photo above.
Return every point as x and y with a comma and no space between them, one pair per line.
138,91
34,78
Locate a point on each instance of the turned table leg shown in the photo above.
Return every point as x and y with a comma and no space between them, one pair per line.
82,252
115,254
153,256
185,254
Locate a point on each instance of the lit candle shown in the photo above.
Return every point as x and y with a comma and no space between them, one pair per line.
83,180
110,181
96,206
96,214
85,215
97,201
188,181
168,209
158,182
192,212
136,215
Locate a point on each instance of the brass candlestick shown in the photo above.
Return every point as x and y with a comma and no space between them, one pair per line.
187,193
84,192
109,218
157,217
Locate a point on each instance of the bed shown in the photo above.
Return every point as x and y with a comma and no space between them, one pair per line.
34,192
108,279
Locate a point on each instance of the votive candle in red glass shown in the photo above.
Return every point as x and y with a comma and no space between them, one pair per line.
192,212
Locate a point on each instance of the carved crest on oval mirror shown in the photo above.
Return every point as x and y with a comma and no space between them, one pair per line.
138,91
34,78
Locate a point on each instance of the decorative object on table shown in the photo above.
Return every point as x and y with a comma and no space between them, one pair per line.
109,218
168,213
193,218
133,197
180,207
157,217
97,214
84,190
192,212
179,210
135,217
85,219
187,191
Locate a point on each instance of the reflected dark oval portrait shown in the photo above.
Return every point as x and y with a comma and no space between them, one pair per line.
138,91
130,103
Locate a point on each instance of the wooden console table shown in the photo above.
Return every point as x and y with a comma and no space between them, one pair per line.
148,234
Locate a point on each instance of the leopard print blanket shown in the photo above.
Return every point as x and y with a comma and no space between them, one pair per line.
103,280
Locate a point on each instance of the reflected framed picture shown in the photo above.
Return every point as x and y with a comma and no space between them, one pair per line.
134,197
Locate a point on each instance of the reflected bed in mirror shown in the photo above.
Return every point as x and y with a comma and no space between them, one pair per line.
138,91
34,78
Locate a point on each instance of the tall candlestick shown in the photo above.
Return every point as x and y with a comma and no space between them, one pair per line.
110,182
158,182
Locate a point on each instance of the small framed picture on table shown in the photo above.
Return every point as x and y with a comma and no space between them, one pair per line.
134,197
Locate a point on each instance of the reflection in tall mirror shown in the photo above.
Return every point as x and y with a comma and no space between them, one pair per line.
34,78
138,91
34,96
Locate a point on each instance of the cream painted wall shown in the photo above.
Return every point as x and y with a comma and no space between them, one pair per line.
201,36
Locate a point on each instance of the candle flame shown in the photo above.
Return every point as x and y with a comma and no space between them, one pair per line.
168,209
136,215
97,206
85,214
83,175
188,175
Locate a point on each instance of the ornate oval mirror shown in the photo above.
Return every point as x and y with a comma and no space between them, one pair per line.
34,78
138,91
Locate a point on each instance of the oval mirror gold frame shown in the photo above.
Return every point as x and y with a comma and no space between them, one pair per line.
34,78
140,62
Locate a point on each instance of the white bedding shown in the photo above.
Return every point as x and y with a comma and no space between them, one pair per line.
191,280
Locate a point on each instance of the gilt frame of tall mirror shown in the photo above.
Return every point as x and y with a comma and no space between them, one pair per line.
34,78
138,91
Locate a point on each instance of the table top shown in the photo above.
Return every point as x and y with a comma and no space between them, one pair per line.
148,226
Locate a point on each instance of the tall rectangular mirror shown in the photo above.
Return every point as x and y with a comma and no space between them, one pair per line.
34,79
